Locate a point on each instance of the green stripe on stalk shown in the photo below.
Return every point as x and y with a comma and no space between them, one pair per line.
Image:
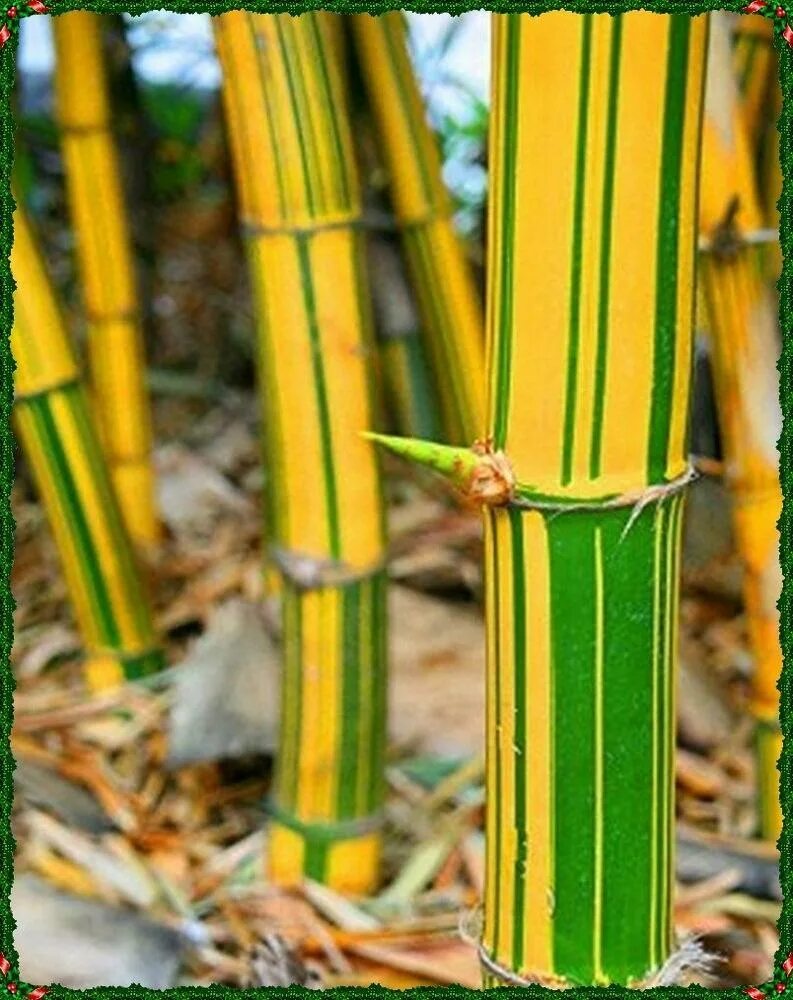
122,552
340,160
350,710
607,219
299,116
233,79
576,256
65,484
321,393
666,318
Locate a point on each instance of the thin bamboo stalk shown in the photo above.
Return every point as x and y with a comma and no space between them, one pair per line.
594,157
745,348
760,96
403,373
770,172
300,211
451,317
104,253
57,434
410,394
753,64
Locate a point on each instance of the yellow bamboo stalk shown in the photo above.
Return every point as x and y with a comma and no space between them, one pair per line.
451,314
745,349
300,210
115,343
753,62
63,451
757,69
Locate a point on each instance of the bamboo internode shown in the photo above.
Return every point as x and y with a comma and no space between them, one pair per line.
61,446
301,211
104,253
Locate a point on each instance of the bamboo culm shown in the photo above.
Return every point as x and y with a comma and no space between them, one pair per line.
104,254
594,166
448,301
300,212
61,446
744,338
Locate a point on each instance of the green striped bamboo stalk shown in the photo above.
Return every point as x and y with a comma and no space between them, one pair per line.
300,211
410,394
757,69
742,323
61,447
451,320
403,372
753,64
115,343
594,156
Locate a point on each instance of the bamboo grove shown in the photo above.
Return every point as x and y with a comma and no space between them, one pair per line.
620,188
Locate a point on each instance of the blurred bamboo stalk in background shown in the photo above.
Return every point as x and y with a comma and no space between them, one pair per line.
451,315
58,437
407,383
410,401
753,64
300,208
756,65
742,321
104,253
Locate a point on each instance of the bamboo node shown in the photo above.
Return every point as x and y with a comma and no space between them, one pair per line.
325,831
727,239
492,480
638,498
691,956
307,572
509,978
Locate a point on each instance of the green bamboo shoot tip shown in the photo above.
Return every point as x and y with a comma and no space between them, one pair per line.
479,473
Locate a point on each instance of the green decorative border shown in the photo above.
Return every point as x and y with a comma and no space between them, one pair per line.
780,982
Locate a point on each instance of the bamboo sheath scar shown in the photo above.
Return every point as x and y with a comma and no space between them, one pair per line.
115,345
744,336
592,227
451,319
61,446
301,211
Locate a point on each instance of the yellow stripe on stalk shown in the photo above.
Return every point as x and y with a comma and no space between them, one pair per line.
451,314
300,211
539,881
65,458
745,347
103,245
